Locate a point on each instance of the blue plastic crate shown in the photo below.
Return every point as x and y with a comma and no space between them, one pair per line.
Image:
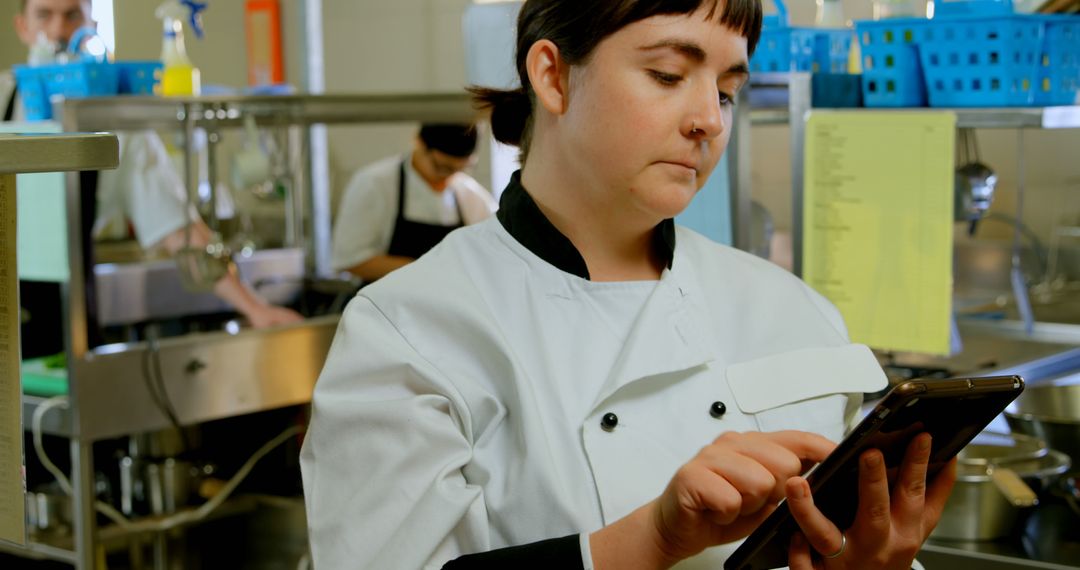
38,84
1059,71
35,100
785,49
891,71
982,61
138,77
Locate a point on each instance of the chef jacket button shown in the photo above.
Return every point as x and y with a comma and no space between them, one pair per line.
717,410
609,421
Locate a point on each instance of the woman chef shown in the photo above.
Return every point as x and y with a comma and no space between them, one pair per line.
588,385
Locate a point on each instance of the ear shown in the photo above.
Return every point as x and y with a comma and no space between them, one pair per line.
22,30
549,76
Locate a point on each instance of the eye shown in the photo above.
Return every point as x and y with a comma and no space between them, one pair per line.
726,99
667,79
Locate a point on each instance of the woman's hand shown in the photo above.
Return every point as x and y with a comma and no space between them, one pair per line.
728,489
888,530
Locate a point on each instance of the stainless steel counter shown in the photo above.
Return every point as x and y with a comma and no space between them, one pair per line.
206,376
25,153
1049,539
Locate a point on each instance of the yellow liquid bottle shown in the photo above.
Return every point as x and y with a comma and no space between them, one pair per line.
179,77
180,80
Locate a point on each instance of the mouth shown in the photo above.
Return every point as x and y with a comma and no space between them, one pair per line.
688,165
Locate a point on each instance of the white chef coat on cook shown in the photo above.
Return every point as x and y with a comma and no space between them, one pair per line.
364,224
145,189
460,406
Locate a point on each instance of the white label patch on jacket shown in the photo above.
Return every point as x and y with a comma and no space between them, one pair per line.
805,389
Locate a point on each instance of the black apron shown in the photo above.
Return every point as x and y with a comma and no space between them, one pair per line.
9,112
413,239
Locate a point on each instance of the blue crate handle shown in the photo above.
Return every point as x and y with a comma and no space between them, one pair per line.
75,44
777,20
972,7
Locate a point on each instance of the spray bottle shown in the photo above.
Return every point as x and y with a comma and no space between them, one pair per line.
180,77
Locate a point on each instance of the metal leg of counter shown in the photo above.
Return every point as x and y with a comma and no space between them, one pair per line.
84,517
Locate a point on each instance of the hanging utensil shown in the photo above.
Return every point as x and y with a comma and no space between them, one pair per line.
974,182
202,267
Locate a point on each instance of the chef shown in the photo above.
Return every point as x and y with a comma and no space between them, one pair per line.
398,208
579,383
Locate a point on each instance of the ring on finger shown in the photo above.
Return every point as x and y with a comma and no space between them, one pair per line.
843,546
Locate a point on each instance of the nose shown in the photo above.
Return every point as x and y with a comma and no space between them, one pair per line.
57,30
706,119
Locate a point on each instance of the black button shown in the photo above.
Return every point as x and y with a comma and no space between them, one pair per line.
609,421
717,410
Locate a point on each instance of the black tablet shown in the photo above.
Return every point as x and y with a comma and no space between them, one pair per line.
953,411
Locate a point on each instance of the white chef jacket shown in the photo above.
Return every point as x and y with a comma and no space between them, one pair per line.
446,419
364,224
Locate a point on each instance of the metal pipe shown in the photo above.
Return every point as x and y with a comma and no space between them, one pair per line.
84,517
798,107
295,210
1016,275
191,176
740,185
212,140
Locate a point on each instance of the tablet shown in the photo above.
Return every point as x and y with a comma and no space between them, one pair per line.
953,411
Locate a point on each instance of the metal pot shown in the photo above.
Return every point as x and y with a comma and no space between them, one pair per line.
999,476
1050,413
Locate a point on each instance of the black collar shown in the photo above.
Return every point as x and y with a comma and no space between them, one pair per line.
522,218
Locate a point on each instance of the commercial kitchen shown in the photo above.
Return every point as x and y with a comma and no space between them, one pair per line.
280,287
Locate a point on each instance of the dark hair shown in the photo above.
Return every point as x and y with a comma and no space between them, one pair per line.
577,27
455,140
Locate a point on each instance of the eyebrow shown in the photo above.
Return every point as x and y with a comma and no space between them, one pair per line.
694,52
688,49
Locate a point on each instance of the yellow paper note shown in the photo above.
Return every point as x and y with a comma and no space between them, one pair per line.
12,502
878,224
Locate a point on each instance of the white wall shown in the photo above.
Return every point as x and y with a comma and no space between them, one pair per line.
11,49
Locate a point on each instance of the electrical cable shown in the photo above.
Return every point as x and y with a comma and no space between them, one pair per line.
39,447
157,525
154,379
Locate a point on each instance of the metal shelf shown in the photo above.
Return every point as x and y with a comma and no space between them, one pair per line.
770,117
781,84
996,118
142,112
